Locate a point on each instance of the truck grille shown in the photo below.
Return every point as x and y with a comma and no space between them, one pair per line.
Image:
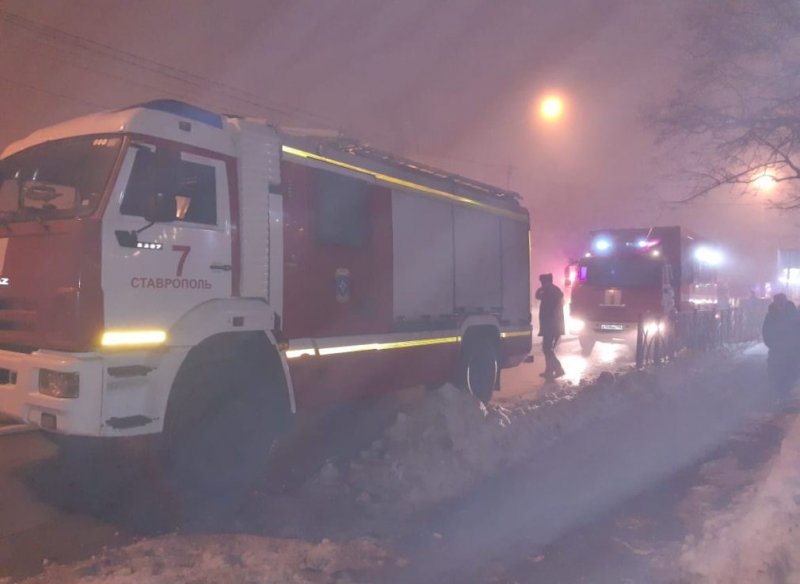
8,377
17,315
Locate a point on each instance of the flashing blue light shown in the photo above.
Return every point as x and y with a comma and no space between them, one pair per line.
602,244
185,110
642,243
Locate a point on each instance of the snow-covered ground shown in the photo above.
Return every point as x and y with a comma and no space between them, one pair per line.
221,559
437,448
756,539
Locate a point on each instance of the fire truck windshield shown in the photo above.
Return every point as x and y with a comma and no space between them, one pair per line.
56,180
621,272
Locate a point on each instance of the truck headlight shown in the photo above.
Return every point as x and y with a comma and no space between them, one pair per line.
59,384
654,327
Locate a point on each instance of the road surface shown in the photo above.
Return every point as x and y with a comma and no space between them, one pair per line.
526,382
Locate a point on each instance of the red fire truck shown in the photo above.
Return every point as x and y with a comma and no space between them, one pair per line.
648,273
168,269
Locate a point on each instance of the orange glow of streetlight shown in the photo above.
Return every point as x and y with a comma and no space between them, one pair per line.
551,108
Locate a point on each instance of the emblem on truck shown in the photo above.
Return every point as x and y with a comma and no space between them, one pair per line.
343,285
5,281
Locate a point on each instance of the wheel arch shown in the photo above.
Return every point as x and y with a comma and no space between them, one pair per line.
483,327
222,322
254,346
231,315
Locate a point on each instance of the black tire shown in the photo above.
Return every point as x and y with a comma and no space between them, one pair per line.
587,346
479,367
220,427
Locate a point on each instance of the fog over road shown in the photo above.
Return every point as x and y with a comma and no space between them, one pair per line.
567,513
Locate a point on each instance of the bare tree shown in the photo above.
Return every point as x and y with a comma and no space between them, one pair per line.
739,105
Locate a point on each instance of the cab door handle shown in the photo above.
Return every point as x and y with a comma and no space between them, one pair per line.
223,267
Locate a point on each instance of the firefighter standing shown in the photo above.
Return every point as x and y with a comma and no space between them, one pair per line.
780,333
551,324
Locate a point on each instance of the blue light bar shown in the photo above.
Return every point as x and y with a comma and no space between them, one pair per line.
185,110
602,244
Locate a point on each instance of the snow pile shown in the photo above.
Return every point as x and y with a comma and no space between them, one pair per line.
756,539
223,558
439,447
719,477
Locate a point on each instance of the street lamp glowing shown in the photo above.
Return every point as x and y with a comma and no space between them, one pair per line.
551,108
765,182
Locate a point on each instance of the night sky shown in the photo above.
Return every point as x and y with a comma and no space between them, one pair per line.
451,83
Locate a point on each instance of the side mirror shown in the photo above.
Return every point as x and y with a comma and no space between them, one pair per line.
160,208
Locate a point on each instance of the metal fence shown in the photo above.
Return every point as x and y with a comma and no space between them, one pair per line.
698,330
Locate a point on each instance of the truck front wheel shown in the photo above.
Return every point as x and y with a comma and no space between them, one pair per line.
219,428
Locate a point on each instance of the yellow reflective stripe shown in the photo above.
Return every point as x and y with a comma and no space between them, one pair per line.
421,342
133,338
405,183
508,334
323,351
294,353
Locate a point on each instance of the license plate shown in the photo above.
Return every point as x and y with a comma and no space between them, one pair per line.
612,327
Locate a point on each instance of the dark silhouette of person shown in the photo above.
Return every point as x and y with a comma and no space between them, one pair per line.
780,334
551,324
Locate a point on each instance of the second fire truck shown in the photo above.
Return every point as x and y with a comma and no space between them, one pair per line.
646,274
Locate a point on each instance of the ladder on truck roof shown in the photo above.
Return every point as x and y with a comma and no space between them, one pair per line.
349,151
332,144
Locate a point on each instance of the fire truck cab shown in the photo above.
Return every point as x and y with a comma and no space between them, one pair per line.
646,274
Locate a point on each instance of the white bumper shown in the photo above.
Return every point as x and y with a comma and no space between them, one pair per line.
120,394
20,397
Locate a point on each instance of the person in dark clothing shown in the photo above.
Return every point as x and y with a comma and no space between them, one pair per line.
551,324
780,334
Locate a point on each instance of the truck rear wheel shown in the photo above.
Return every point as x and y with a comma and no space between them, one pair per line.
220,427
587,345
479,367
